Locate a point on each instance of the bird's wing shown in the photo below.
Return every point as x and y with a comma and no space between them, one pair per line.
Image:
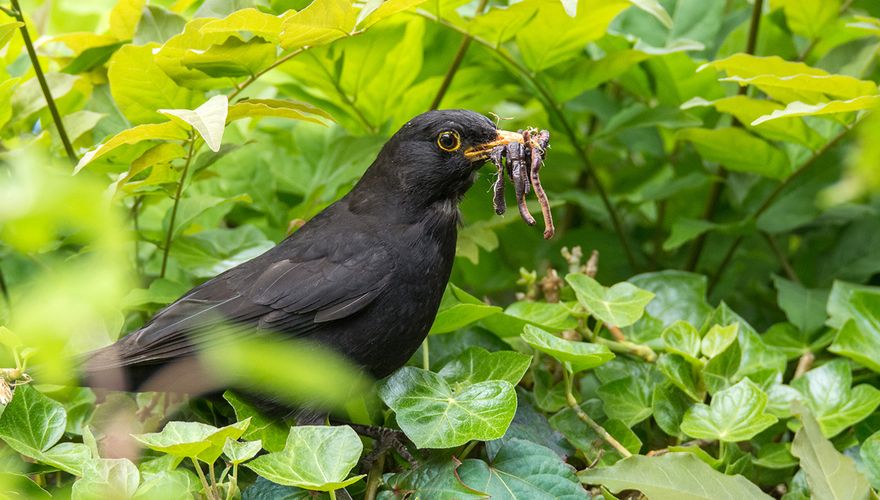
288,295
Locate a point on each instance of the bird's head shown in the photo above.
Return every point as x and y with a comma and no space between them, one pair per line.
436,154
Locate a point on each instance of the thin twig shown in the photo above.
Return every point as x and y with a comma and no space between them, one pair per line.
456,62
581,414
169,236
351,104
783,259
41,78
375,477
804,364
718,184
556,109
627,347
768,202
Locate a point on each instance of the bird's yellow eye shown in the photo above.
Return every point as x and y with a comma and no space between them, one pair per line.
449,140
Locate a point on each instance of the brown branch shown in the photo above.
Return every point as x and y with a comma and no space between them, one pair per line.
456,62
783,259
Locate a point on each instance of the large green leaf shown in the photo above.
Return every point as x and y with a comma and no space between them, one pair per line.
140,87
321,22
315,457
436,479
735,414
621,305
248,20
252,108
798,108
859,338
579,355
627,399
678,296
830,475
804,307
146,132
723,145
673,476
809,18
31,423
523,470
433,414
107,478
476,365
270,432
683,339
870,453
827,393
192,439
386,9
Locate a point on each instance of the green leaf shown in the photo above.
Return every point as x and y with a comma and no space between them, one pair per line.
209,119
746,65
735,414
435,415
683,339
673,476
722,145
827,393
437,479
192,439
686,229
279,108
7,31
478,365
522,469
720,372
804,307
775,456
269,431
654,8
621,305
579,355
500,24
124,18
810,87
157,25
682,374
677,296
829,474
232,58
460,316
551,316
870,454
809,18
28,98
627,399
386,9
668,405
31,423
107,478
717,339
91,58
69,457
140,87
147,132
250,20
315,457
241,451
321,22
798,108
859,338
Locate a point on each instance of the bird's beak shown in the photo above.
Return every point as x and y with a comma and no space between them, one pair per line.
481,151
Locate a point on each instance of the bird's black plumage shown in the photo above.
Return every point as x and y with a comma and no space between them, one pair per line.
363,277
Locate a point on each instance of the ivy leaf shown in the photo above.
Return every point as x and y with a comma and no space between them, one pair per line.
682,375
870,453
435,415
107,478
735,414
315,457
322,21
192,439
209,119
683,339
829,474
827,393
678,296
804,307
459,309
31,423
717,339
522,469
479,365
270,432
672,476
621,305
627,399
579,355
437,479
859,338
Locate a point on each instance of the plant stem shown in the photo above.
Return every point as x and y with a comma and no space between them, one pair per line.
718,184
805,362
783,259
214,490
426,355
625,346
208,491
468,449
556,109
332,494
233,482
374,477
768,202
598,429
456,62
44,86
170,235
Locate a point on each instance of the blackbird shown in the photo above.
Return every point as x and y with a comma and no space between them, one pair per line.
364,277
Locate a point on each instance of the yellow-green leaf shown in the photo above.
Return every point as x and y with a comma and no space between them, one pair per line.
386,9
140,87
251,20
809,18
798,108
746,66
7,30
146,132
321,22
124,18
842,86
654,8
251,108
727,146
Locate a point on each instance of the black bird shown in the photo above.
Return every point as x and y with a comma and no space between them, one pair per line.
364,277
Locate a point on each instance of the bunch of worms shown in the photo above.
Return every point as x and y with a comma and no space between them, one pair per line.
521,163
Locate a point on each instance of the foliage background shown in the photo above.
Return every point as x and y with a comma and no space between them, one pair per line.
719,155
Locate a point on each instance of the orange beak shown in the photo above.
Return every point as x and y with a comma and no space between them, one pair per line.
482,151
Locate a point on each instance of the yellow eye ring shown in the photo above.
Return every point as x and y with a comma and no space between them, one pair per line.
449,140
